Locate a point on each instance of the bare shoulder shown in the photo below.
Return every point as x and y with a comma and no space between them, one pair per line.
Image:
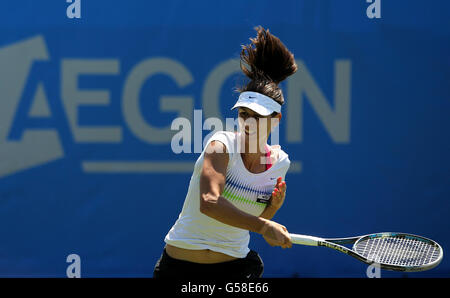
216,147
216,157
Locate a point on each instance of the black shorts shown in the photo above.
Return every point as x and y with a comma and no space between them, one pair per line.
249,267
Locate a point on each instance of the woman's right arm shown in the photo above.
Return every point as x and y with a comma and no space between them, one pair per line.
212,204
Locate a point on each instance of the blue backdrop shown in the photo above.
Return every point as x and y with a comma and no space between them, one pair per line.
86,165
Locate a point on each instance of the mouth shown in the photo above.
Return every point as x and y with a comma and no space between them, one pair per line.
249,132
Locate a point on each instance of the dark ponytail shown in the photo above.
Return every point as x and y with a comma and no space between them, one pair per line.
266,62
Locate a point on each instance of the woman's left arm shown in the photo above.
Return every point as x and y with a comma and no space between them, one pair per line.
276,200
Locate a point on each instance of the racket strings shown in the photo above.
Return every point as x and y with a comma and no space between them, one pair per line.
398,251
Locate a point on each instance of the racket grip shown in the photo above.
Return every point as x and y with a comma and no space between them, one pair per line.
305,240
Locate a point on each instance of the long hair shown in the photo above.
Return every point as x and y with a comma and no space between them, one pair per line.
266,62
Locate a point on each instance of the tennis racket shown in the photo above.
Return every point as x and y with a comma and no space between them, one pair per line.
391,251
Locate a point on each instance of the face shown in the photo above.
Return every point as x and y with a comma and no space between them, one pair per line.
255,125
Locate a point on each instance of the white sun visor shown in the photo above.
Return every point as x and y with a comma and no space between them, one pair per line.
258,103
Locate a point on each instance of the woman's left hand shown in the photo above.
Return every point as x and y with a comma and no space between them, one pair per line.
278,194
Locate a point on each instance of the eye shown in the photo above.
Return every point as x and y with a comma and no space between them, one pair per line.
243,114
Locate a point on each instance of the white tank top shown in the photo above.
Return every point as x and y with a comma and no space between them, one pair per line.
247,191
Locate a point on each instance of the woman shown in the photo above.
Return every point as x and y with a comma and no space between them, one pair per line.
235,189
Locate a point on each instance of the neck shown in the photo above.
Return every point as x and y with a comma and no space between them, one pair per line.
253,150
253,145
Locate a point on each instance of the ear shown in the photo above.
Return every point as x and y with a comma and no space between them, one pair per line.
279,116
275,123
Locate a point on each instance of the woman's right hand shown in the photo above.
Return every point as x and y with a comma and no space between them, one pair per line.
276,234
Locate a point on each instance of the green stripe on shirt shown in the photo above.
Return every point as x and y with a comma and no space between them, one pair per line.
230,196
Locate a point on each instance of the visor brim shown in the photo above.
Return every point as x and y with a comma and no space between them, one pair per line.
255,107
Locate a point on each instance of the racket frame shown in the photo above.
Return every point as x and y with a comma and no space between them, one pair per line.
337,244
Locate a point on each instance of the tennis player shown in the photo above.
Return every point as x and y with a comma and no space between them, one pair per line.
233,189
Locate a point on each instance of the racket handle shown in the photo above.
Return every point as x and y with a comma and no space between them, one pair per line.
305,240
